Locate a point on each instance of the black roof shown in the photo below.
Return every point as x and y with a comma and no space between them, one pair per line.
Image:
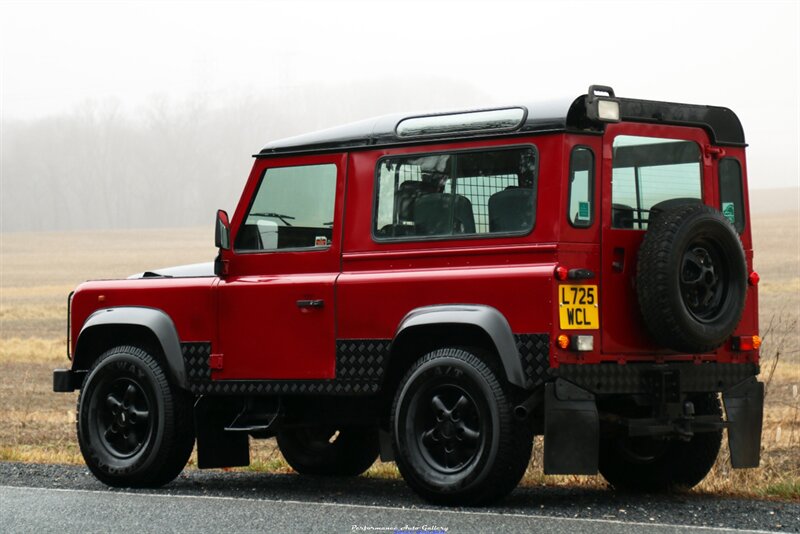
721,124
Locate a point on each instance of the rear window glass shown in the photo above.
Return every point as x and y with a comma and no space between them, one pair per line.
648,171
455,194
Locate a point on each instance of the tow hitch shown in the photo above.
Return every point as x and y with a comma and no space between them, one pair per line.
674,416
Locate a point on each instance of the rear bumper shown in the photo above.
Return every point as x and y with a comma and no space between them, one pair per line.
573,422
66,380
636,378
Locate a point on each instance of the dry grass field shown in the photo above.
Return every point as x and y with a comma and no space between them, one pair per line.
37,271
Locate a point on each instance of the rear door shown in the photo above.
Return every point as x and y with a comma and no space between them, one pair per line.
643,165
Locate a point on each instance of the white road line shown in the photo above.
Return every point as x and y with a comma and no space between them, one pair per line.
387,508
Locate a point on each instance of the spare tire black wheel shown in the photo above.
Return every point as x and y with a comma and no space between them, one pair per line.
691,278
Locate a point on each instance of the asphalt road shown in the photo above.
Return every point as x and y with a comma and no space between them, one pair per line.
45,498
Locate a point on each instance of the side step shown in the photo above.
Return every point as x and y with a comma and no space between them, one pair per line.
258,422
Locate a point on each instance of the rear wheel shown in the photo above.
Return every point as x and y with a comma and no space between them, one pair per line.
455,438
134,427
651,464
328,450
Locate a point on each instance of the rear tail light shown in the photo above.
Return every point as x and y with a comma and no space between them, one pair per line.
753,279
577,343
562,273
746,343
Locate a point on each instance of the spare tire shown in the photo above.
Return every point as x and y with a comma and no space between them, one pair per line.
691,278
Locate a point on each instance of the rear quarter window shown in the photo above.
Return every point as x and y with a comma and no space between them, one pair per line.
580,212
730,192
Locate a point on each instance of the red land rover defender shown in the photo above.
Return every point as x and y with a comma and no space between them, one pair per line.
437,289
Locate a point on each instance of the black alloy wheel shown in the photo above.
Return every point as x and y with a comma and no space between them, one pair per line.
135,429
329,450
123,417
449,427
704,280
454,435
691,278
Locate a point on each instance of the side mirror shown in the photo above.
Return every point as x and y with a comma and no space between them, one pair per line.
222,233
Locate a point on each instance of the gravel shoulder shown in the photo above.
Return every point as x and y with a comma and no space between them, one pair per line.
677,509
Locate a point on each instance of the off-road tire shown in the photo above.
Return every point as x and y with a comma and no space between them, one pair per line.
127,393
488,449
691,278
672,464
322,452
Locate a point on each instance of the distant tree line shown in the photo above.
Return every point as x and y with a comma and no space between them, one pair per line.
173,164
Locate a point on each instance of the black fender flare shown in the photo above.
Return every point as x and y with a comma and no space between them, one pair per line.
154,320
487,318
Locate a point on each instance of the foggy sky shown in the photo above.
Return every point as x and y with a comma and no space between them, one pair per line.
126,114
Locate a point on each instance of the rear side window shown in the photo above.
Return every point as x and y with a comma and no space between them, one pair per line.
648,171
730,192
455,194
581,187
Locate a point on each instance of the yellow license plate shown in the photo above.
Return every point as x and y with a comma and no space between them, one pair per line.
577,307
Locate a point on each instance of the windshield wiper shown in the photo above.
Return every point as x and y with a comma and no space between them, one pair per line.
280,216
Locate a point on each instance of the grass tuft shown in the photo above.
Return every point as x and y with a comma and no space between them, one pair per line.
787,490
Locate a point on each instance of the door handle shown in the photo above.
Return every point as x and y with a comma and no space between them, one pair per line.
618,263
319,303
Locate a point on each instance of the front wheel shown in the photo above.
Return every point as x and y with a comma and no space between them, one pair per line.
454,435
329,451
134,427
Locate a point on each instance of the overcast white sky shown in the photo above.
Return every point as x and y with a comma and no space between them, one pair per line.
744,55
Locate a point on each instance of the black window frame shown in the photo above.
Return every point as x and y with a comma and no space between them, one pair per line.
742,212
451,237
591,181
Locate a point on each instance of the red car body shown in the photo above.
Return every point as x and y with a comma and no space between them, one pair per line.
343,319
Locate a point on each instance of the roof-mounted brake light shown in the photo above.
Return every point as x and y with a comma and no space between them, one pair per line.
603,106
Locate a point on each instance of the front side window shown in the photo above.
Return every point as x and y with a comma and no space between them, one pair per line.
581,187
456,194
292,209
648,171
730,192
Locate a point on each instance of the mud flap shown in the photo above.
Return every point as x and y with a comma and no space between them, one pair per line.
385,441
744,406
215,446
571,430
